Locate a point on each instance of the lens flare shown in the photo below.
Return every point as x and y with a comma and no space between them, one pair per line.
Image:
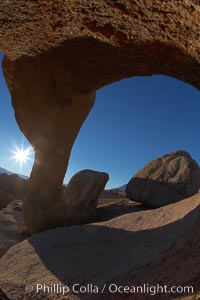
21,155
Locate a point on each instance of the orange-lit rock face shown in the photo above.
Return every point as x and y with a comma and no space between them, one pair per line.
60,52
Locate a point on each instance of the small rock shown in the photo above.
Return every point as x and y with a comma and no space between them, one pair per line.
166,180
81,196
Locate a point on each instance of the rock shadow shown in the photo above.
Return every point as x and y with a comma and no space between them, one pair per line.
108,212
100,254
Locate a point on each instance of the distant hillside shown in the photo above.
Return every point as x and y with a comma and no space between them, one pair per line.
119,189
122,188
2,170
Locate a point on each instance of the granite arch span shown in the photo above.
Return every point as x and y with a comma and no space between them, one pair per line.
59,53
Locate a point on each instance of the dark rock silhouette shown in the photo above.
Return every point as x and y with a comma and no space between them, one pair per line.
168,179
59,53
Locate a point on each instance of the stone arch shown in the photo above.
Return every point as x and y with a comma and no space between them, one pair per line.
58,54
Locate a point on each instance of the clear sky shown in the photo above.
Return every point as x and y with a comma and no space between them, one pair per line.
133,121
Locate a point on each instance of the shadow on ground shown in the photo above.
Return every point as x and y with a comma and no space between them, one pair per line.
107,212
168,255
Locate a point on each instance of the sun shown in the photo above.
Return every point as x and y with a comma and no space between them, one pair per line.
21,155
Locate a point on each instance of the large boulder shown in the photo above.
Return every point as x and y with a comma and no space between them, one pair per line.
58,53
81,196
168,179
5,199
147,247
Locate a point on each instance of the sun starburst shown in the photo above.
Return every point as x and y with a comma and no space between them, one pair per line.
21,155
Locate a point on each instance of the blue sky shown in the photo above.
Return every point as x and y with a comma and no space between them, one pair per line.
133,121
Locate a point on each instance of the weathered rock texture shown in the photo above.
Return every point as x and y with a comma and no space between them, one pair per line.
168,179
156,247
14,184
5,199
81,196
59,52
15,208
10,233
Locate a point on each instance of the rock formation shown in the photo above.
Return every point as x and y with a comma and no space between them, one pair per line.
154,247
5,199
14,184
10,233
81,196
15,209
168,179
58,53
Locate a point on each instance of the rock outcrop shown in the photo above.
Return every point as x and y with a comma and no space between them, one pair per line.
77,205
154,247
15,209
59,53
5,199
14,184
81,196
10,233
168,179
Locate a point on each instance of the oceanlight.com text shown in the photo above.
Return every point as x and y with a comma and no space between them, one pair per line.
112,288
